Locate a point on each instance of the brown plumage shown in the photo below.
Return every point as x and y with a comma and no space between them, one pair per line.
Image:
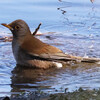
40,47
30,51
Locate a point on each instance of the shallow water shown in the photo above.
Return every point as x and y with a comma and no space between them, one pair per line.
75,28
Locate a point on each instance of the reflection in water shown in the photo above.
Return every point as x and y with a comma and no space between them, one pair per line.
30,78
71,77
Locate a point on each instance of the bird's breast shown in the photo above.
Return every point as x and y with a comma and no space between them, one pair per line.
15,49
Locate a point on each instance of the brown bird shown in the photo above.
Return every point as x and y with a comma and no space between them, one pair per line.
30,51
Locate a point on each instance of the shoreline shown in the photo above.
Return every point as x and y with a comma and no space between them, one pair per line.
79,94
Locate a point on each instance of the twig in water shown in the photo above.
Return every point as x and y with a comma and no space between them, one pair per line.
34,33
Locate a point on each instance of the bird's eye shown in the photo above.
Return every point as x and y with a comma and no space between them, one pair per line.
17,27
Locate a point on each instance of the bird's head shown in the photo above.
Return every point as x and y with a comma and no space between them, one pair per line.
18,28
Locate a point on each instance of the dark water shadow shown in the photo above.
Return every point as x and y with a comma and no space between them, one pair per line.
29,79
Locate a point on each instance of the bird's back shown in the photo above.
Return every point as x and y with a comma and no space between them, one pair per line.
34,45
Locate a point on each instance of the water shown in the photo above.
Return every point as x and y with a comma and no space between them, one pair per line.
75,27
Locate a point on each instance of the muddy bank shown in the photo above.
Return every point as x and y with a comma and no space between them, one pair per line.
79,94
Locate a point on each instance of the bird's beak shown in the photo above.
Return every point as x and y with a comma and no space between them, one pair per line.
8,26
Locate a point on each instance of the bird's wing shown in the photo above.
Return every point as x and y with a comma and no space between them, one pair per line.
64,57
53,56
40,50
57,56
67,57
35,46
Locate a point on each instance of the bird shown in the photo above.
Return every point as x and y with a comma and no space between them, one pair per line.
31,52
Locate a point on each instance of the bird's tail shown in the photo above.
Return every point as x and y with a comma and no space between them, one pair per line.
85,59
66,57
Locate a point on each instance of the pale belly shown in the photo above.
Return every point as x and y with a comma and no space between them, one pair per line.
15,49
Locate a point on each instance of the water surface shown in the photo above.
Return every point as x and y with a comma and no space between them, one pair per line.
75,27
